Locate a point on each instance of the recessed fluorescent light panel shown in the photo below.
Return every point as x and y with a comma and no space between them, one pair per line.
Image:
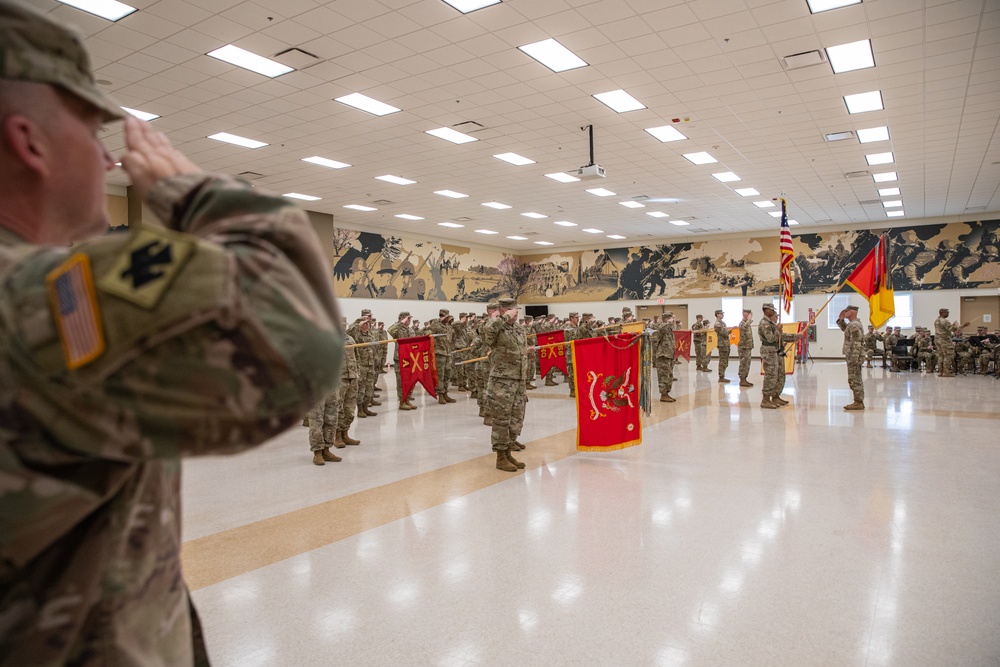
658,214
879,158
746,192
454,136
561,177
359,207
553,55
594,231
884,177
296,195
234,55
324,162
679,223
495,204
616,237
239,141
896,203
544,243
620,101
775,214
536,216
873,134
665,133
389,178
450,193
817,6
514,159
862,102
631,204
894,214
601,192
700,158
518,238
726,177
793,222
365,103
106,9
849,57
565,223
763,204
486,231
407,216
141,115
888,192
450,224
466,6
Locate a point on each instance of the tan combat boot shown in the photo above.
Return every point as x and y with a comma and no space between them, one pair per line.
368,412
723,380
318,458
549,382
745,383
305,421
474,393
766,403
502,463
667,398
329,456
779,401
403,405
348,440
374,402
449,399
855,406
517,447
338,442
531,385
517,464
488,421
441,400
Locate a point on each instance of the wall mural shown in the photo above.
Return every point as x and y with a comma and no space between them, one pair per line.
930,257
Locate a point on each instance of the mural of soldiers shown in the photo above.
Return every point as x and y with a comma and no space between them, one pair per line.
854,354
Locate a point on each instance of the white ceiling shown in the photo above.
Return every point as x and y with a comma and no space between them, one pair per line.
714,64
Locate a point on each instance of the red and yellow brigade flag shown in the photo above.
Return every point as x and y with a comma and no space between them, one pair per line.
551,356
416,364
634,327
607,393
682,344
789,359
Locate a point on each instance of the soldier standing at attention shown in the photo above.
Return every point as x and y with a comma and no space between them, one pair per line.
481,349
323,428
507,396
664,351
700,340
361,332
870,345
943,331
400,329
854,353
571,331
772,354
383,350
722,332
122,353
745,347
462,337
442,331
348,399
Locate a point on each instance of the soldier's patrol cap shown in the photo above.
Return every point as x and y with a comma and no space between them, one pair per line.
747,310
943,310
854,308
574,314
719,312
365,311
586,315
443,312
669,313
403,314
493,305
38,49
529,318
507,304
767,306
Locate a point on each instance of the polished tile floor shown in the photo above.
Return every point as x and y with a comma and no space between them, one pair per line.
731,536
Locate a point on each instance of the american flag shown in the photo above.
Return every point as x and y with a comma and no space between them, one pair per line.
71,292
787,257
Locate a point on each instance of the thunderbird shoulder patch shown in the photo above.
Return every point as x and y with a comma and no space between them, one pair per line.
143,271
76,312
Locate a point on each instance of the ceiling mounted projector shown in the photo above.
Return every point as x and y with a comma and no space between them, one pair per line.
590,172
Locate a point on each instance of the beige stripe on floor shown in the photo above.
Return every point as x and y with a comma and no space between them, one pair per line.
230,553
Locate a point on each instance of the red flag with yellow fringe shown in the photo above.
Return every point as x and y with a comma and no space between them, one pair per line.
551,356
417,364
682,344
608,386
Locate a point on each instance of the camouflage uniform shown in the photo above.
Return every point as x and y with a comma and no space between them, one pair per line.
871,345
348,386
507,396
213,352
698,337
963,354
586,328
443,355
854,353
722,333
925,353
462,339
943,330
664,351
570,333
366,367
889,340
323,422
745,350
772,355
382,351
399,330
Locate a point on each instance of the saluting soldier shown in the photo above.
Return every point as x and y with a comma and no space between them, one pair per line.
507,396
854,353
401,329
664,349
361,332
772,354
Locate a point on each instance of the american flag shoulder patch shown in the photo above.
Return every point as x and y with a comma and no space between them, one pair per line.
75,310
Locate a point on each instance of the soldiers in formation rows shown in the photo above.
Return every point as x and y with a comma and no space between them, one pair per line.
945,350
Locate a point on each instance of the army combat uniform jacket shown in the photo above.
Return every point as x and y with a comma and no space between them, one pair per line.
118,356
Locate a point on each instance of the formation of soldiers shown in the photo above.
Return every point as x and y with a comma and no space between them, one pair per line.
945,350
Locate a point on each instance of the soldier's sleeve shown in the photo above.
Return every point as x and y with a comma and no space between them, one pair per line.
207,336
